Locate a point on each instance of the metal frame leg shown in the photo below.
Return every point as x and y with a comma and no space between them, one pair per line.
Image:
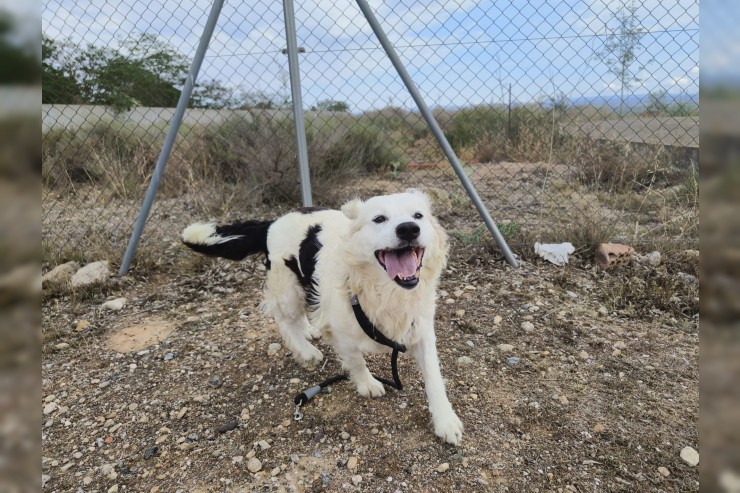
295,89
437,131
182,103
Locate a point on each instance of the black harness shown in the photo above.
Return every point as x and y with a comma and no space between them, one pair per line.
373,333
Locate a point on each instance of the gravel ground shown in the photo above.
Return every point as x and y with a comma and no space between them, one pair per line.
566,379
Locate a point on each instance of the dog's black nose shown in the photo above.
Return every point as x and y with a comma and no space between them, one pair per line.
408,231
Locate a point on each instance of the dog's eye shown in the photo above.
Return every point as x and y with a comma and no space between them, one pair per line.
418,215
379,219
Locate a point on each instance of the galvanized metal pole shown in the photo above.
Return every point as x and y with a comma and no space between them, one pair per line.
295,90
437,132
169,140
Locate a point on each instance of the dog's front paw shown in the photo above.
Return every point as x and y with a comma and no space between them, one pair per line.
370,387
448,427
308,357
312,333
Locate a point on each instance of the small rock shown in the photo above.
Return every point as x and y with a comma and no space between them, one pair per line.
458,293
115,305
254,465
181,412
506,348
352,463
619,345
82,325
227,427
215,382
50,408
470,343
87,480
93,273
60,274
345,435
108,470
169,356
599,428
151,452
356,479
527,326
563,400
263,445
512,361
690,456
460,313
653,258
275,346
443,467
62,345
497,319
449,301
114,428
113,489
663,471
104,384
583,355
237,459
44,479
275,472
603,311
464,360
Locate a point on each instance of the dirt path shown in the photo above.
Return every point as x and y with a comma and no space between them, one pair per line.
565,379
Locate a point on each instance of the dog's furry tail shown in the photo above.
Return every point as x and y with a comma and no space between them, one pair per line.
233,241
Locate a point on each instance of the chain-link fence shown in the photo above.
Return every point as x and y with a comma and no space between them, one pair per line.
577,120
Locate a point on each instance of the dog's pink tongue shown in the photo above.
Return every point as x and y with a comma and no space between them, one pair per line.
402,264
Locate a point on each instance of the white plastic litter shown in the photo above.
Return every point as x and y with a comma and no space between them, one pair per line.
556,253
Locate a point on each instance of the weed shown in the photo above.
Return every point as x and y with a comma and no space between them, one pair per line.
471,238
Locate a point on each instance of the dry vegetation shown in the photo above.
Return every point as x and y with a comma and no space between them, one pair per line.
550,184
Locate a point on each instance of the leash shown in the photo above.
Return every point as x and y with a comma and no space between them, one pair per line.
373,333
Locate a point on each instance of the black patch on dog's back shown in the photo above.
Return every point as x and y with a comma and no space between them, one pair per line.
310,210
305,265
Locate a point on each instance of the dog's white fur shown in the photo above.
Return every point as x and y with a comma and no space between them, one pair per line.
346,265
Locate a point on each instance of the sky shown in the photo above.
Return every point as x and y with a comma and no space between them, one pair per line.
459,52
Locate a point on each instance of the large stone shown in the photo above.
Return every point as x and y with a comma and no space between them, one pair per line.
93,273
60,274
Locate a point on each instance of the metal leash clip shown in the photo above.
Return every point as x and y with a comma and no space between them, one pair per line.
297,414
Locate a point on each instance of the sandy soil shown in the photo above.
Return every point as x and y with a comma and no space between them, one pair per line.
603,390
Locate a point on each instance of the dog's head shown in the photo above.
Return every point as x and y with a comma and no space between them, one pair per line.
397,234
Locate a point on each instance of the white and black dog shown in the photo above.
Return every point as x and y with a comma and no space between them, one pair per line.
388,251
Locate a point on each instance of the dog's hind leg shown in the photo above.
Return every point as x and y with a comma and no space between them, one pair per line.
284,301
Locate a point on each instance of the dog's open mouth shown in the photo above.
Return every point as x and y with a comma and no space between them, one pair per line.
402,264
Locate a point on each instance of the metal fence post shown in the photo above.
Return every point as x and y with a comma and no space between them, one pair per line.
164,154
437,132
297,100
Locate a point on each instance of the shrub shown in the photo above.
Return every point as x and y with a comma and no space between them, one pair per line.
366,145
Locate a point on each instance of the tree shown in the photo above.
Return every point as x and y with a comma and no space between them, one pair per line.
144,71
331,105
622,48
58,81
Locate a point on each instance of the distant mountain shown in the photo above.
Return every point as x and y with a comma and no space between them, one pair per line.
633,101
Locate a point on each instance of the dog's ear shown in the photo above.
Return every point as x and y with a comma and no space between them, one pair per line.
352,208
422,195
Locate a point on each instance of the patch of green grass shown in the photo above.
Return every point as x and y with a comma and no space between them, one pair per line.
510,229
472,238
